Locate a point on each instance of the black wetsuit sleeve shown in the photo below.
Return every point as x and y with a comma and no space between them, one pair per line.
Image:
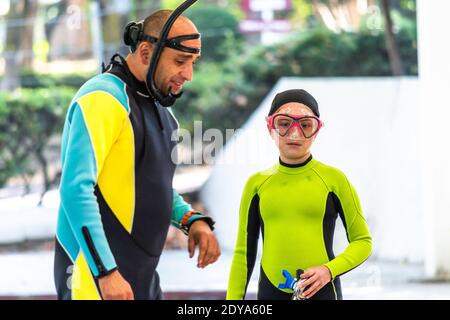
246,245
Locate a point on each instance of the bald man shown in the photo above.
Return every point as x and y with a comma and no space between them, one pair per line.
117,200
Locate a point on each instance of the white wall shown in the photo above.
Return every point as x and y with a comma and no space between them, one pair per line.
370,133
434,70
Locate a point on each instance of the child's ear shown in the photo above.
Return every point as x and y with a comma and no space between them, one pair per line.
269,131
273,134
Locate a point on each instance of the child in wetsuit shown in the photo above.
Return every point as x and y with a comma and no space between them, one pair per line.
294,205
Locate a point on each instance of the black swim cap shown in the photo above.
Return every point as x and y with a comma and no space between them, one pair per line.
294,95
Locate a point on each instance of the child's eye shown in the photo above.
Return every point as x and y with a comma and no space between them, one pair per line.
284,124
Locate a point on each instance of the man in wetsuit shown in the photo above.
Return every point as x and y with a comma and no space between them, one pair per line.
117,200
295,205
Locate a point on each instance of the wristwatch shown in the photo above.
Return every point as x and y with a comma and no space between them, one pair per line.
185,227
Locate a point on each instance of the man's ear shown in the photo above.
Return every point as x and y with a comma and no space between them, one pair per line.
145,53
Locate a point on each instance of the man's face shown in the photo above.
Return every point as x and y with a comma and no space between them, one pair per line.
293,145
176,67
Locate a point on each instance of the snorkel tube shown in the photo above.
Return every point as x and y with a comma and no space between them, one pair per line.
164,100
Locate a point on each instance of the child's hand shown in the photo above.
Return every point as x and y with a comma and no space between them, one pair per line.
316,279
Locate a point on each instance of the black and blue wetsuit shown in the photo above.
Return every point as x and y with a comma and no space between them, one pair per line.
117,200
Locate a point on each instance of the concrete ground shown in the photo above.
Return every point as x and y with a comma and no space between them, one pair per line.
27,275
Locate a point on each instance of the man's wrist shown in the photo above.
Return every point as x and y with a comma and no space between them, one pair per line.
107,273
208,220
186,224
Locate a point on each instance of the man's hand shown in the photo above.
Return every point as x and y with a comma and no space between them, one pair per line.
200,234
317,278
115,287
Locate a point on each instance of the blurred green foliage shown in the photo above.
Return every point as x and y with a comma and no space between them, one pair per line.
34,80
230,81
223,94
29,118
219,29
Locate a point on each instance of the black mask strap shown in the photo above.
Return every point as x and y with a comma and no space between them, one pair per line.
175,42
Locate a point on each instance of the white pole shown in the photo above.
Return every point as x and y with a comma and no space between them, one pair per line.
434,75
96,31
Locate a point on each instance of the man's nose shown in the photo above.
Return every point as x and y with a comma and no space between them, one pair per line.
187,72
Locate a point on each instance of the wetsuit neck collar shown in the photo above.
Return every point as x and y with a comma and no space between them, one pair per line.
296,168
297,165
137,85
140,85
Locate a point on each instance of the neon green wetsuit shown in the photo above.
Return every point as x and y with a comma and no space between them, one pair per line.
296,208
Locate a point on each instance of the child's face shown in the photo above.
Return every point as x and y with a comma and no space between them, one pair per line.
293,145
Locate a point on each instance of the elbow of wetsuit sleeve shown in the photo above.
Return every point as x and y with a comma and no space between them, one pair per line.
366,250
369,246
75,192
66,193
364,245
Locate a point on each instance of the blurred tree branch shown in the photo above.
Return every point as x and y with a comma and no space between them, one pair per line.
391,44
52,23
19,37
339,15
